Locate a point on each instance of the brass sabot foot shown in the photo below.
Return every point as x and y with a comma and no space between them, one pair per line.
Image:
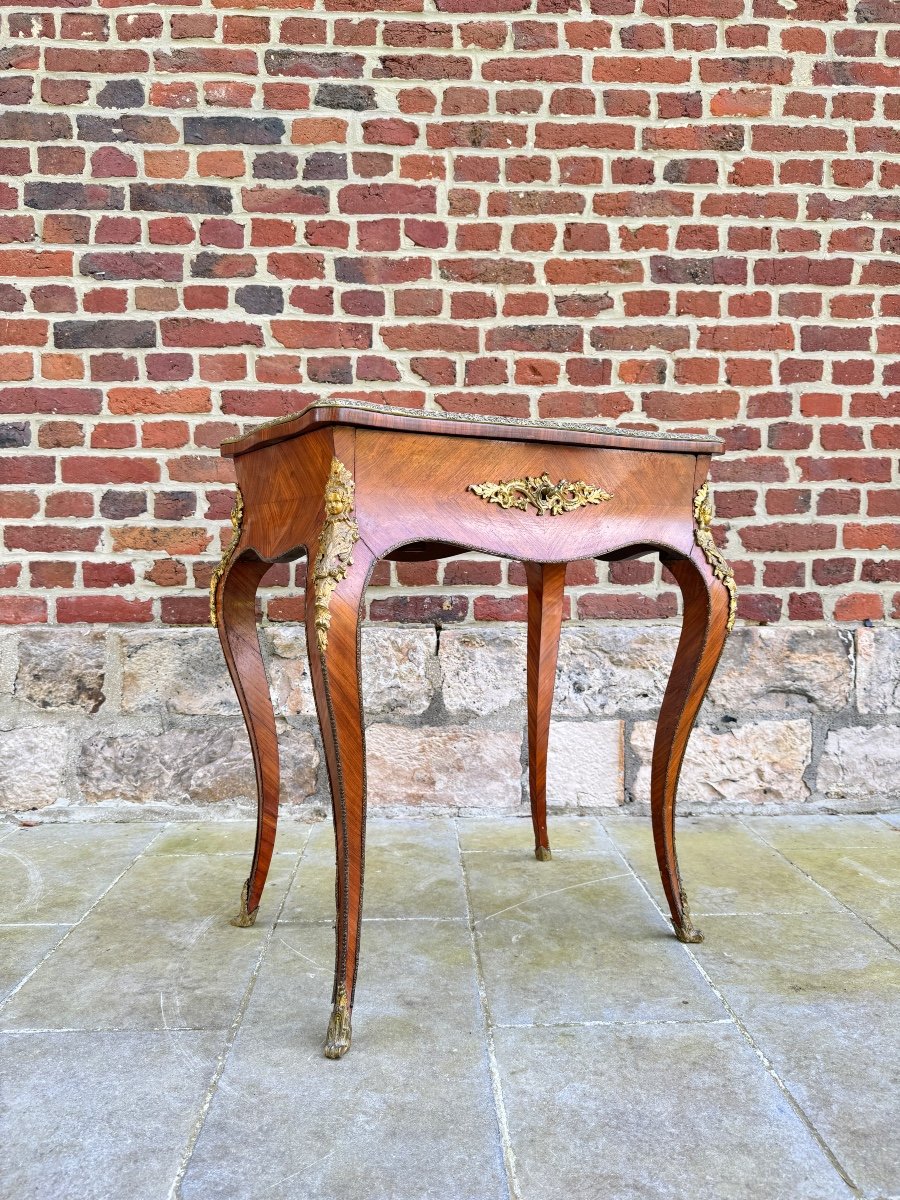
337,1040
244,918
685,932
542,853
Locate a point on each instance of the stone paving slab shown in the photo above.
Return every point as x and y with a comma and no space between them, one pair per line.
822,1001
228,837
725,868
574,835
654,1112
857,859
21,949
412,870
104,1116
576,940
55,872
156,953
407,1114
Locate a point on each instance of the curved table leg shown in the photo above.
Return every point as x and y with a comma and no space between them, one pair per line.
703,633
236,623
333,629
546,586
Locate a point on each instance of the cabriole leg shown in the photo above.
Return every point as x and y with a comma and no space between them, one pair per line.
546,586
333,620
236,623
703,634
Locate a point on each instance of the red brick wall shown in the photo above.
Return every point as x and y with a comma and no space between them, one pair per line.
666,213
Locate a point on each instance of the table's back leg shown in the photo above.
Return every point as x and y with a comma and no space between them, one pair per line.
703,633
333,628
546,586
236,623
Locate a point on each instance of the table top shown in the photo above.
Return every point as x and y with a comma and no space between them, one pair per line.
361,413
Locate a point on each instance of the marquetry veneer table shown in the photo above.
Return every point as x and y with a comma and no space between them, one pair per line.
348,483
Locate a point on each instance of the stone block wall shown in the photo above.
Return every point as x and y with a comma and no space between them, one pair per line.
663,213
135,722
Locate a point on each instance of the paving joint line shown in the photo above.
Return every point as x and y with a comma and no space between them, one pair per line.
101,1030
84,916
300,921
217,854
526,853
608,1024
35,924
230,1037
758,1051
509,1157
821,886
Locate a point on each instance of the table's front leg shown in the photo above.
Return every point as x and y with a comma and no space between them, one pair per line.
708,612
335,592
546,587
234,609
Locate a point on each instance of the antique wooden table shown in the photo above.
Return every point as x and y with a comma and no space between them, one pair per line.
348,483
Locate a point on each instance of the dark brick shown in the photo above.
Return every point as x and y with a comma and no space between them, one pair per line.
325,164
885,571
439,66
34,127
32,24
275,165
121,93
127,127
180,198
233,131
73,195
699,271
14,434
548,339
258,298
345,96
16,89
210,265
435,610
311,64
878,11
174,506
11,299
329,370
224,61
19,58
84,335
121,506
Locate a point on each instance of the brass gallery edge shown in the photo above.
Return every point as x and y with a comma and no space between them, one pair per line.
237,517
541,493
711,552
335,557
